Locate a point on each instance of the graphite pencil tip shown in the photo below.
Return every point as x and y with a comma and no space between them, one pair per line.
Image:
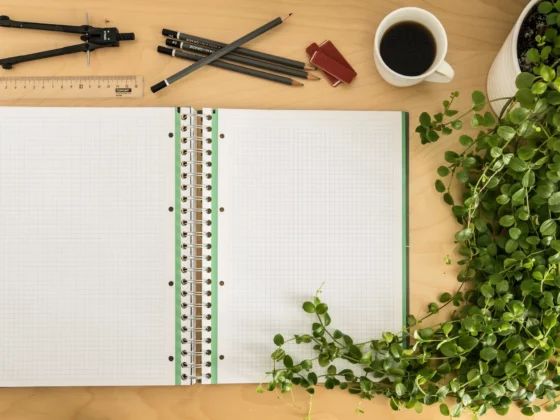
295,83
286,17
312,77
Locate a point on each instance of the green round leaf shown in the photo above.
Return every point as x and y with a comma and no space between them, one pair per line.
466,140
278,340
400,389
526,152
488,353
538,89
534,56
468,342
487,290
548,74
517,164
514,233
432,136
528,179
506,132
451,156
518,115
312,378
425,119
445,297
507,220
309,307
545,7
440,187
411,320
288,362
525,96
478,98
443,171
324,360
554,199
548,228
321,308
448,349
464,235
457,124
463,176
524,80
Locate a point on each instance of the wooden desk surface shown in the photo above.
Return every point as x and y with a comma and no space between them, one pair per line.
476,30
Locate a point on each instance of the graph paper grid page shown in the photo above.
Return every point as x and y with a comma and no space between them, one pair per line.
309,197
86,246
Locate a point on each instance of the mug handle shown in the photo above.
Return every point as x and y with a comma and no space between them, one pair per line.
443,74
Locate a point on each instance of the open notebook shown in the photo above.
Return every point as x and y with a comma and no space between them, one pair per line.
166,246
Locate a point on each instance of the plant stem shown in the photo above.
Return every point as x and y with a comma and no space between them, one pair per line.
327,331
472,109
505,107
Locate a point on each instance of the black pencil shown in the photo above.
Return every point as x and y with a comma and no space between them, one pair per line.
240,59
218,54
232,67
191,39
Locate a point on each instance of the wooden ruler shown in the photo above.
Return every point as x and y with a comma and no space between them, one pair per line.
71,87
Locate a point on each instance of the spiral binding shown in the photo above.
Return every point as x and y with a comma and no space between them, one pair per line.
196,246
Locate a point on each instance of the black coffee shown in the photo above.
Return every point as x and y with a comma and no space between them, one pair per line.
408,48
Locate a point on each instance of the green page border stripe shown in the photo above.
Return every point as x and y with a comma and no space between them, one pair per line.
177,246
215,278
405,236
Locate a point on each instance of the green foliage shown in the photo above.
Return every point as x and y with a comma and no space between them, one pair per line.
501,344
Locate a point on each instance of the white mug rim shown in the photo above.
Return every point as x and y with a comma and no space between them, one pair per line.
390,70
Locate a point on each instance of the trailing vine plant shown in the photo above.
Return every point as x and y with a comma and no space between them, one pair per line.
501,346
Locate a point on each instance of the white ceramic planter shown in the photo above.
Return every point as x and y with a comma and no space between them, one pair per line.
505,68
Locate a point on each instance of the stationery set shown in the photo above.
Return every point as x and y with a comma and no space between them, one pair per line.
167,246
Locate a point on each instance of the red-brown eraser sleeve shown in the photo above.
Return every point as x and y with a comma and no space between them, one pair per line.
327,64
313,48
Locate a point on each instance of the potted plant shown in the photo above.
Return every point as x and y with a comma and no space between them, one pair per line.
512,57
501,346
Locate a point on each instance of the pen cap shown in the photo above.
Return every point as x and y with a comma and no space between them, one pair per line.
164,50
172,43
158,86
169,32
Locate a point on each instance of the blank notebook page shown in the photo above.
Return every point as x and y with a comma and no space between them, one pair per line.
309,197
86,246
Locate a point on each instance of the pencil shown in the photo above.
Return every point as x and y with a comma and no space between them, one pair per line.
240,59
241,51
218,54
232,67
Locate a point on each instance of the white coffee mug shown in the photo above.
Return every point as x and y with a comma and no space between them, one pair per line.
439,71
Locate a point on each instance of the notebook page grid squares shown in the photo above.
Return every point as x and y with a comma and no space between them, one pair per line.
83,241
309,206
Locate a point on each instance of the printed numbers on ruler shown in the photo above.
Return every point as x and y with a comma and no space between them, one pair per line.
71,87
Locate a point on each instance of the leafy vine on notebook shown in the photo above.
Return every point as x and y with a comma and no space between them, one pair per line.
501,345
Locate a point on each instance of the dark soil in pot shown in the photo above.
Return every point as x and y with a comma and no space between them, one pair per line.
535,23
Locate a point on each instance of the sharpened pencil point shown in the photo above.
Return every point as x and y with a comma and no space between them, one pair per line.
286,17
294,83
312,77
308,68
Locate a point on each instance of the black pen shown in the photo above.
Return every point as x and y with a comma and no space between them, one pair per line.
232,67
218,54
243,60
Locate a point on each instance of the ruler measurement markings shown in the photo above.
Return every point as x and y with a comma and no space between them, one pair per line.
60,87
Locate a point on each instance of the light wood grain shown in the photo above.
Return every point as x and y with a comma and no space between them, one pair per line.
476,30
